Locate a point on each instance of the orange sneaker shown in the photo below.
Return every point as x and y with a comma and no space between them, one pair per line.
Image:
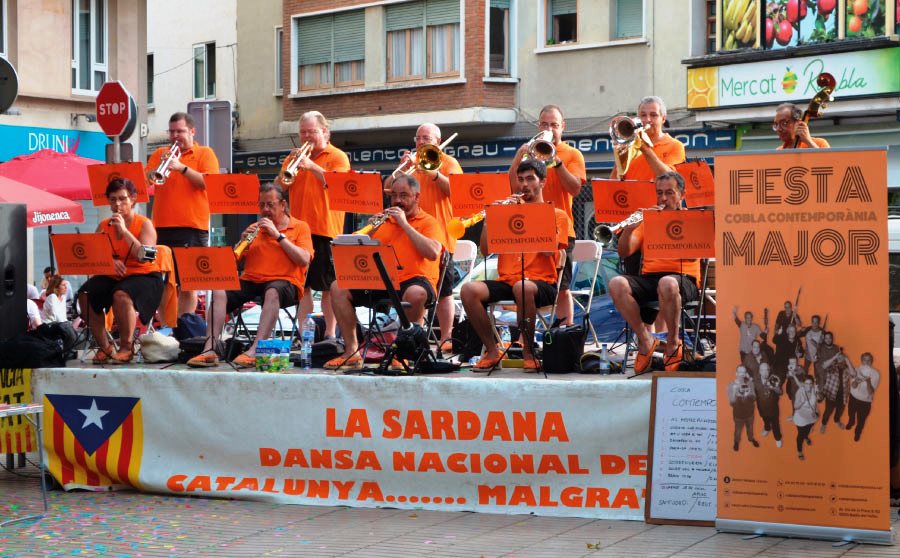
642,361
673,361
206,359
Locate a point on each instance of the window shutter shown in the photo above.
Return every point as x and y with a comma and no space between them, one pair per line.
404,16
563,7
349,36
629,18
502,4
315,40
442,12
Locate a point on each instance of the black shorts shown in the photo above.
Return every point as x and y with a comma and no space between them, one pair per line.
498,290
449,280
287,294
567,269
181,237
366,298
320,274
644,288
145,292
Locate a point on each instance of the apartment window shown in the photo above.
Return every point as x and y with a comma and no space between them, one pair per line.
279,63
562,21
710,26
498,37
205,71
150,71
89,39
629,18
332,50
422,39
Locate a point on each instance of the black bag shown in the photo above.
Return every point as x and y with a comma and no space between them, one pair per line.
60,333
563,347
189,325
190,347
31,351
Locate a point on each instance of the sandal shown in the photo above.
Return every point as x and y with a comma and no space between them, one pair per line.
531,365
673,361
206,359
642,361
122,357
446,346
102,356
486,364
341,362
244,360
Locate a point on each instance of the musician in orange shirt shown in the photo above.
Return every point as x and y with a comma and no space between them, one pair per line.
180,206
789,126
538,289
434,199
566,174
671,282
309,203
666,151
275,267
413,234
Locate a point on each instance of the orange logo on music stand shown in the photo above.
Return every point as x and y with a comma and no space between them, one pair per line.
355,268
469,193
101,175
83,254
699,184
675,235
203,268
232,193
614,200
357,192
521,228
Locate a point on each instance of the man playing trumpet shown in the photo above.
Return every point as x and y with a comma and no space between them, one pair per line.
671,282
412,234
537,290
275,265
566,175
308,191
434,199
662,156
180,205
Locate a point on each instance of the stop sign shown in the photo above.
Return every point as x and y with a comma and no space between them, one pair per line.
114,106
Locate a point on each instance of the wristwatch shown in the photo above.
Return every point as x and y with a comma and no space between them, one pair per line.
280,238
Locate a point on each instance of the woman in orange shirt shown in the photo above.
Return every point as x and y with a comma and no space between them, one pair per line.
136,288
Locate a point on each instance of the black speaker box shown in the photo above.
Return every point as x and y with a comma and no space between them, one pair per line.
13,270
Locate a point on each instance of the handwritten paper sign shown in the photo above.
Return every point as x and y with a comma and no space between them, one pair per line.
681,479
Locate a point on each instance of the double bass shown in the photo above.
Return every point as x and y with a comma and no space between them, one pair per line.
827,83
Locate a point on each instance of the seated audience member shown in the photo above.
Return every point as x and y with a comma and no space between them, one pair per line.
413,234
539,288
31,307
275,265
54,309
136,287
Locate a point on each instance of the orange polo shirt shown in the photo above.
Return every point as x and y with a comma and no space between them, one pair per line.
821,142
121,247
414,264
267,261
538,266
554,193
177,203
669,150
654,265
309,200
436,203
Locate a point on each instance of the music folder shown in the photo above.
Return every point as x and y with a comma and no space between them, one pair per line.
101,175
521,228
615,200
354,266
202,268
232,193
83,254
675,235
470,193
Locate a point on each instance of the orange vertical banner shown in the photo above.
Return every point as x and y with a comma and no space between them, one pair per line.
803,365
699,184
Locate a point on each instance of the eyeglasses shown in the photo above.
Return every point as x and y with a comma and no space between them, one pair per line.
425,139
401,195
779,124
268,204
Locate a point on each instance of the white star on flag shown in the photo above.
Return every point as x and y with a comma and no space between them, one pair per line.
92,415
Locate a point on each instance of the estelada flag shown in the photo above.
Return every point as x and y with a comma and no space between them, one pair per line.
614,199
93,441
699,184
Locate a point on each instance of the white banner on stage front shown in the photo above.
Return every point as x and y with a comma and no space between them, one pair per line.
548,447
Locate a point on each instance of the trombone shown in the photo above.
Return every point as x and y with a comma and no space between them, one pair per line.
428,158
292,163
541,148
626,130
159,176
457,227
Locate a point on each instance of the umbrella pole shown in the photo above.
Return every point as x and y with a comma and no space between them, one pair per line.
50,243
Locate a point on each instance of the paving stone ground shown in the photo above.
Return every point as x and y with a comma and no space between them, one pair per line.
131,524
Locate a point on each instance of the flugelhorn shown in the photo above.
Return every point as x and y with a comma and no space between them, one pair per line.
292,163
240,248
626,130
457,227
604,233
429,157
158,177
377,220
541,147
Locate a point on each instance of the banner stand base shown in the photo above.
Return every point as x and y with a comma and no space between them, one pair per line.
805,531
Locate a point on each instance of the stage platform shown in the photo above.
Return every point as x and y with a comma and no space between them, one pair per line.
512,442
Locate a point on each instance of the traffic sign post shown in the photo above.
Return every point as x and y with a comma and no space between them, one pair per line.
115,114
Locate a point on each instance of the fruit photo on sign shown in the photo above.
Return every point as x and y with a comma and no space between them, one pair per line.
865,18
740,19
796,22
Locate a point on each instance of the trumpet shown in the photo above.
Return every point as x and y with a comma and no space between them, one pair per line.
625,130
457,227
541,148
604,233
292,163
159,176
429,157
377,220
240,248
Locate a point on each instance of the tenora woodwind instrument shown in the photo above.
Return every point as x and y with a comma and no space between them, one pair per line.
457,227
377,220
240,249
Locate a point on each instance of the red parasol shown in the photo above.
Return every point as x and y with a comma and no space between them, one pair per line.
63,174
43,208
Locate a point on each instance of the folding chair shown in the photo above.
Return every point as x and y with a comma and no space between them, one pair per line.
561,265
586,251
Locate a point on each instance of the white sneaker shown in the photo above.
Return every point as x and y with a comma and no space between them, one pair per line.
777,443
764,433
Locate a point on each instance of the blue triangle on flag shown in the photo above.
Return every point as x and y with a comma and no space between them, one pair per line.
92,418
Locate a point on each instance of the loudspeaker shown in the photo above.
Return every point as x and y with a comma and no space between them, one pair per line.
13,262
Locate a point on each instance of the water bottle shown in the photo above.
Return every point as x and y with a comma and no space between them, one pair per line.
504,336
604,359
307,337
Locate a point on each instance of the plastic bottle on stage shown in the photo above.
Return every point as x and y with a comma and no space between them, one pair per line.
604,359
307,337
505,338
